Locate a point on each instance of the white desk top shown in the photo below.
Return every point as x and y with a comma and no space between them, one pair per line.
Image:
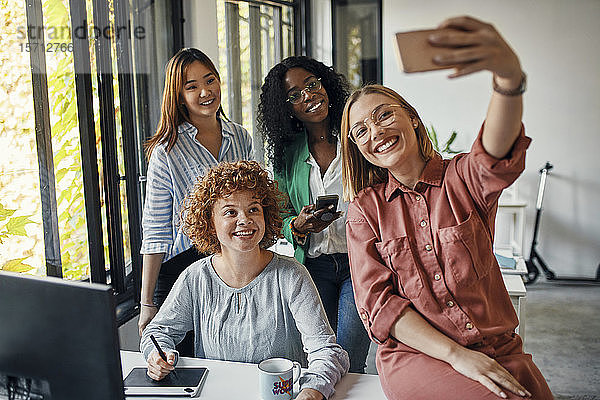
233,380
514,285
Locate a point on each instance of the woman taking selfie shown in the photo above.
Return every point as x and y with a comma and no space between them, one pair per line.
299,115
420,231
192,136
244,303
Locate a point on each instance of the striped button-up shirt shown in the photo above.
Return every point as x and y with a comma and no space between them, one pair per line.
172,175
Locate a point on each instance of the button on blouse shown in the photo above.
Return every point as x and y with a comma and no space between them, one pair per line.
395,263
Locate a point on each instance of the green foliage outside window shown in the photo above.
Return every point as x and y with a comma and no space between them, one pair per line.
65,144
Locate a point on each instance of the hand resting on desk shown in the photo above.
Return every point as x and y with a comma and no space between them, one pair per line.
158,368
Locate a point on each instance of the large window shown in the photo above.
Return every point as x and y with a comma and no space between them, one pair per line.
80,89
357,40
74,116
253,37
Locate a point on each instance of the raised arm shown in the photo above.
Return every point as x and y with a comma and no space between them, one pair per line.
479,46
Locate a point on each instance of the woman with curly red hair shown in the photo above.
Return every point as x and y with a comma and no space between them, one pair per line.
244,303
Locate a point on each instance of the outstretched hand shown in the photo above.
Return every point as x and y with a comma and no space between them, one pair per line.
477,46
485,370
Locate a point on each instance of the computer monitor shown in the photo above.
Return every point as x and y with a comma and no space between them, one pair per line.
62,335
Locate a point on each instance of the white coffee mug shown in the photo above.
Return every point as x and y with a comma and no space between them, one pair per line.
277,377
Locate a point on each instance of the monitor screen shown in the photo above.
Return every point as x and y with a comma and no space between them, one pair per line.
60,335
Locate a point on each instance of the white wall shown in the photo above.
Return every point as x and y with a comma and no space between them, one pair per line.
555,40
200,27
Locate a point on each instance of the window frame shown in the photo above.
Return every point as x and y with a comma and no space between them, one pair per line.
123,276
378,37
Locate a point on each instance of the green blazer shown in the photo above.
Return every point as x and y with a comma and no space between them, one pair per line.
294,181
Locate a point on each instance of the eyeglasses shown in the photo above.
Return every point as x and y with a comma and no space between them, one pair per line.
382,116
313,85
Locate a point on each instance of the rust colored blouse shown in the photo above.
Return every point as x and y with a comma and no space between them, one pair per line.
431,248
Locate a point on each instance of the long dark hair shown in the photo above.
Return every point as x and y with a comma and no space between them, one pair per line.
172,112
275,119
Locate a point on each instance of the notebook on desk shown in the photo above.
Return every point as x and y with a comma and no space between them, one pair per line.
187,381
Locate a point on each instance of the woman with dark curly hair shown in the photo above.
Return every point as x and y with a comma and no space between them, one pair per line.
244,303
299,114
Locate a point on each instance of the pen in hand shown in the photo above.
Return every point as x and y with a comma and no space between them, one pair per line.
161,353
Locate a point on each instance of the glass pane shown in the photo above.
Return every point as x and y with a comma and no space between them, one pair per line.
21,231
265,35
357,40
222,37
65,141
20,174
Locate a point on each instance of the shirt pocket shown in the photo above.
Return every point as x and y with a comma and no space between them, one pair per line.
466,251
398,257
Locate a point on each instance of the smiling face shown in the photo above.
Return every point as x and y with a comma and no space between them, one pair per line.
201,92
390,147
239,222
313,106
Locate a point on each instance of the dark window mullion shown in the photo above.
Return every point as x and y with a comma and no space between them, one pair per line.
302,34
177,21
234,76
255,76
278,34
87,137
43,138
132,184
109,147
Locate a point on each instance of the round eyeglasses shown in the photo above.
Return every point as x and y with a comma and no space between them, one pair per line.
313,85
382,116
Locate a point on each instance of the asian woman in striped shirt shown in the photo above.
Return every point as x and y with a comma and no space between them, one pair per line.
192,136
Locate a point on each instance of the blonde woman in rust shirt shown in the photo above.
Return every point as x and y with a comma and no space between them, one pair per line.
420,232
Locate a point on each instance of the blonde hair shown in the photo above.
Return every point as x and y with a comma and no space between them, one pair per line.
221,181
357,172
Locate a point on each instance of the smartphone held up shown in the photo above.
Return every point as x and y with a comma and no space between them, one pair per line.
415,53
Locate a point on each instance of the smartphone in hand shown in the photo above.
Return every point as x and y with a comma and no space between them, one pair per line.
327,200
415,53
324,202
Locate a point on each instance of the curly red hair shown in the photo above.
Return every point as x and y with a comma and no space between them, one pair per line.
220,182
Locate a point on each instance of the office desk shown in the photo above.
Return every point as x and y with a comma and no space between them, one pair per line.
233,380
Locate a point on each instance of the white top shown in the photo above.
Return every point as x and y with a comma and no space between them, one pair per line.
171,176
278,314
333,238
